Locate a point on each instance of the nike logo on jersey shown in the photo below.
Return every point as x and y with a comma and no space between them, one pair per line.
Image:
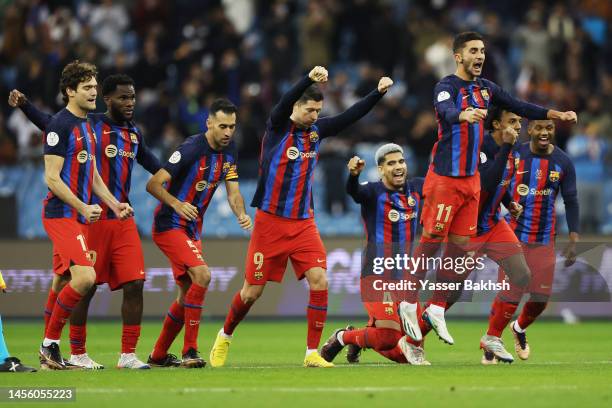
108,132
522,172
79,138
472,228
320,260
204,168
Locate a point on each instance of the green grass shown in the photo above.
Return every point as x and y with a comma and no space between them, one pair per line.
569,366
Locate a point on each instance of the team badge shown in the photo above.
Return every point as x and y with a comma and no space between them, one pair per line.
411,201
110,151
389,310
522,189
394,216
517,161
554,176
439,227
485,94
538,174
314,137
175,158
258,275
133,137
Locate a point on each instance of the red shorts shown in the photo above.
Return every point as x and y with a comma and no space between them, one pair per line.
182,252
382,311
541,260
277,239
451,204
118,251
499,243
70,247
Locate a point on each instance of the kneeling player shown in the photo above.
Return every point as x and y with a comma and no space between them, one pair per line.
390,210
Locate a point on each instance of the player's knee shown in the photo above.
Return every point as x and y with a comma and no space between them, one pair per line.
518,271
133,288
250,294
317,280
83,278
59,281
200,275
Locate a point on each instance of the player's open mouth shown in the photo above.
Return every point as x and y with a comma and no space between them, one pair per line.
128,112
477,66
399,177
544,140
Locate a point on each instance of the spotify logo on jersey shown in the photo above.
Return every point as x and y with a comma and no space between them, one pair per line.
201,185
82,156
394,216
110,151
293,153
522,189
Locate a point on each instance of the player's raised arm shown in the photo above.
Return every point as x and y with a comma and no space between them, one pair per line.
121,210
333,125
570,199
282,110
39,118
155,187
492,171
353,188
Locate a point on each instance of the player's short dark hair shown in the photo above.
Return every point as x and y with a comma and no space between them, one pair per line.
494,112
312,93
73,74
223,105
462,38
110,83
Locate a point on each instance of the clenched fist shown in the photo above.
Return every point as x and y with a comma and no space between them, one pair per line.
16,99
355,165
318,74
384,84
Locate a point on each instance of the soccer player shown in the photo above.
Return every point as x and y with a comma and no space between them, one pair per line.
452,184
116,243
71,175
284,224
9,364
542,170
389,209
192,174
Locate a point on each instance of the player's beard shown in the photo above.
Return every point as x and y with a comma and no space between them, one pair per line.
118,115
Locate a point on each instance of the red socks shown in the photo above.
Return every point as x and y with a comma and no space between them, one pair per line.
51,299
173,323
377,338
238,309
129,338
316,314
531,310
194,298
66,301
501,314
394,354
78,336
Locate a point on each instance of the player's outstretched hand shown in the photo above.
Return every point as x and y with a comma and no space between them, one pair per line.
509,135
124,211
245,222
515,209
472,115
569,116
16,99
318,74
91,213
355,165
569,253
384,84
186,211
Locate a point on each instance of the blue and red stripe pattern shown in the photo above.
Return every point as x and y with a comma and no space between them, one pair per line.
455,154
72,138
197,170
535,185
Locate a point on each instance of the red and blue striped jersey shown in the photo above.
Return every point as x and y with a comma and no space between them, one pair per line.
535,185
456,152
117,146
197,170
496,170
289,154
72,138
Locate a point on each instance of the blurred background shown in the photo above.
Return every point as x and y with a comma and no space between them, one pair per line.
182,54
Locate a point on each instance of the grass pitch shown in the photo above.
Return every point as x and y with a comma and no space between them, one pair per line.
570,365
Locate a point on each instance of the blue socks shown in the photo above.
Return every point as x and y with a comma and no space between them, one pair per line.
4,354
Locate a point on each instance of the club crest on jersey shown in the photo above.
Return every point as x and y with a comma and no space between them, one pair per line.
314,136
258,275
522,189
439,227
554,176
393,215
110,151
411,201
133,137
485,94
517,161
389,310
201,185
82,156
538,174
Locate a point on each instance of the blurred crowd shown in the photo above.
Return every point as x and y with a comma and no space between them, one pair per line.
182,54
